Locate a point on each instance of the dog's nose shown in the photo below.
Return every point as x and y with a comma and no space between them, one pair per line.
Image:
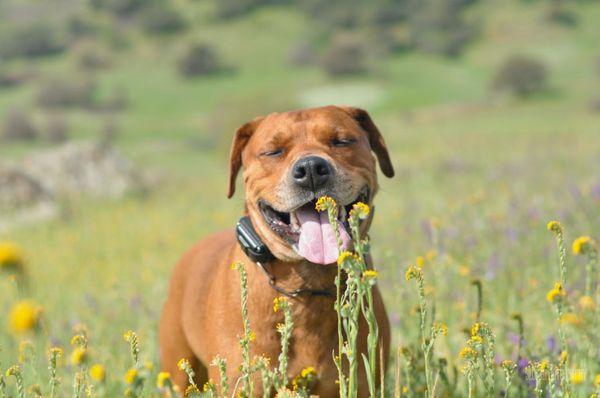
311,172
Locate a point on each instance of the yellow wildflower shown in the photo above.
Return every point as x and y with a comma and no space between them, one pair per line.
370,274
543,365
554,226
464,270
24,317
431,255
131,375
507,363
346,255
556,292
191,390
324,203
570,319
468,353
442,328
183,364
98,372
564,355
251,335
361,210
577,376
587,303
420,261
163,379
582,244
308,371
11,257
597,381
476,339
413,273
79,356
279,303
475,329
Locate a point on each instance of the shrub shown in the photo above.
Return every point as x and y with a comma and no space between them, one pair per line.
301,54
438,27
65,93
10,79
34,40
199,59
56,130
90,56
17,126
161,19
119,8
345,56
521,76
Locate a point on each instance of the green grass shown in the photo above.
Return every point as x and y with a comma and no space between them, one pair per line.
492,172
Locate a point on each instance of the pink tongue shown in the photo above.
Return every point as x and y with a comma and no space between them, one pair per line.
318,243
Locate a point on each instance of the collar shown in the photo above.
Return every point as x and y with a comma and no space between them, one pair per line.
257,251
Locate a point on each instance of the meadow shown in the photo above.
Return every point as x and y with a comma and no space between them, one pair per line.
478,179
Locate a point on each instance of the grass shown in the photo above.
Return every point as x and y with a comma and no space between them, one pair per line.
477,180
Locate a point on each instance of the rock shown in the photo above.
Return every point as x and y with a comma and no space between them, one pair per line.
29,191
87,168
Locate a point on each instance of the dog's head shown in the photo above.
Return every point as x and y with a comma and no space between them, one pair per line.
291,159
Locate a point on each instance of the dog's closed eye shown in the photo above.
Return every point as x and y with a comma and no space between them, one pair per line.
272,152
342,142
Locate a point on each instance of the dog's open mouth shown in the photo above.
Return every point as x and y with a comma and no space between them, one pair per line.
309,232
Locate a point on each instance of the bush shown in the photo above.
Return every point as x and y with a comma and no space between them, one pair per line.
301,54
35,40
90,56
161,19
345,56
17,126
199,59
56,130
438,27
521,76
58,93
120,8
11,79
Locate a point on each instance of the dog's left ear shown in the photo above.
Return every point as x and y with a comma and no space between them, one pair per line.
240,140
375,138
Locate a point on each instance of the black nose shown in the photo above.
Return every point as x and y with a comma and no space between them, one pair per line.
311,172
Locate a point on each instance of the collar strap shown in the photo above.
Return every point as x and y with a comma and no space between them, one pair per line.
259,253
296,292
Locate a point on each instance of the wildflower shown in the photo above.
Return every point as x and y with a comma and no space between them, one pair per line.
11,257
305,379
431,255
346,255
587,303
464,270
308,371
441,328
554,226
556,292
370,274
163,379
597,381
251,335
413,273
79,356
128,335
183,364
361,210
279,303
570,319
192,390
583,244
564,355
325,203
578,376
420,261
507,364
468,353
475,329
25,316
131,375
543,365
98,372
476,339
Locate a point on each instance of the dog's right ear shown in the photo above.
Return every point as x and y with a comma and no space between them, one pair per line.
240,140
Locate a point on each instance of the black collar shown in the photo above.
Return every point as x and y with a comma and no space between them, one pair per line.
259,253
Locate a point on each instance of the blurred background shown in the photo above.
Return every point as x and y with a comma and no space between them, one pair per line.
116,118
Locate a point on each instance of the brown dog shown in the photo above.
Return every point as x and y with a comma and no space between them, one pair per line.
289,160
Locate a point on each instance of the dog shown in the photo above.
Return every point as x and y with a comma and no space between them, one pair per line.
289,160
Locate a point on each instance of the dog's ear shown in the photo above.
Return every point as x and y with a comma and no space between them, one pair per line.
375,138
240,140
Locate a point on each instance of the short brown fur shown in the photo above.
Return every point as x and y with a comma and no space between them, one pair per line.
202,314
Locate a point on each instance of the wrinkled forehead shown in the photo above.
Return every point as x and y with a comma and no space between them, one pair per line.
306,122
